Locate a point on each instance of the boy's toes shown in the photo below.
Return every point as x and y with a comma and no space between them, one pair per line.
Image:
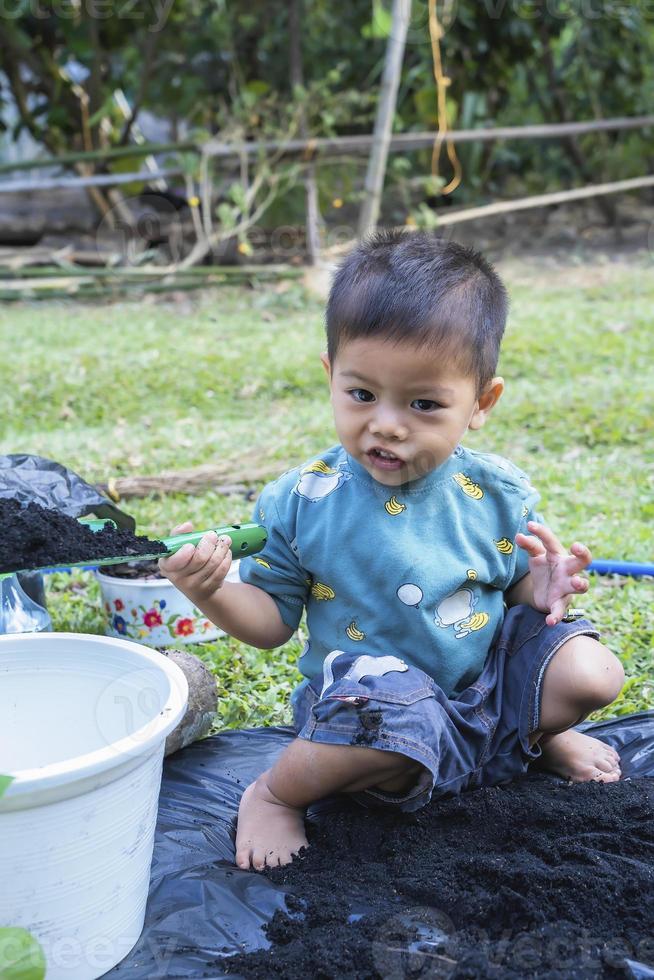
286,855
243,858
606,770
258,859
601,776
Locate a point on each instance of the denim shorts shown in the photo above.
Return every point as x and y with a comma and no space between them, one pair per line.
479,737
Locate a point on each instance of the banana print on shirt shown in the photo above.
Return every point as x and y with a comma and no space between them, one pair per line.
353,632
321,591
394,507
470,488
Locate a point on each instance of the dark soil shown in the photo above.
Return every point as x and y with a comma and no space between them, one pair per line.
141,570
535,879
35,537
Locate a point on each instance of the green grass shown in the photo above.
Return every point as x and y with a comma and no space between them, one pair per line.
232,376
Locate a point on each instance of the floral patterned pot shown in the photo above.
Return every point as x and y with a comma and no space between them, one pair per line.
154,612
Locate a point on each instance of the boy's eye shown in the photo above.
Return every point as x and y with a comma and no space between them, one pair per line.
361,395
425,404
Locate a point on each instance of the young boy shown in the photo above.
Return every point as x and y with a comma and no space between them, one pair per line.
405,548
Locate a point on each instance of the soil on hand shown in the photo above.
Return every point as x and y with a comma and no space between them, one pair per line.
36,537
535,879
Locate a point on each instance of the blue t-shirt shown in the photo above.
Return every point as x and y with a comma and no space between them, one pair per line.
417,571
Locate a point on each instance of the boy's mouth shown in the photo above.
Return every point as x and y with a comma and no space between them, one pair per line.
384,459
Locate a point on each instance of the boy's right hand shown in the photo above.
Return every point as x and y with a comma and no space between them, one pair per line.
200,569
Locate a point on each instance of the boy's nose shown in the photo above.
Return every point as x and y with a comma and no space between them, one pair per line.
388,425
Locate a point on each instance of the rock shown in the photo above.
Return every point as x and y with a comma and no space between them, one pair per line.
202,699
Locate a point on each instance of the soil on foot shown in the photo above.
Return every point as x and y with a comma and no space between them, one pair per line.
535,879
579,757
36,537
269,833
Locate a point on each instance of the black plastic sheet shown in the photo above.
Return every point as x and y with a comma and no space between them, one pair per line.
201,908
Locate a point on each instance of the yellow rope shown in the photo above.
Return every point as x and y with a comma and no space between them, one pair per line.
442,82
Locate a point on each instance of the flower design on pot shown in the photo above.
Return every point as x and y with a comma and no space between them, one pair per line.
184,627
152,618
136,610
119,624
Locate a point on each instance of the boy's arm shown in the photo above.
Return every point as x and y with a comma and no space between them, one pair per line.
245,612
553,578
242,610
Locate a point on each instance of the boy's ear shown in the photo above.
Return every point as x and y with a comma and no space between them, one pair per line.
486,402
327,366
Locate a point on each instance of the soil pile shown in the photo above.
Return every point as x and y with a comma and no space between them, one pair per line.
533,879
35,537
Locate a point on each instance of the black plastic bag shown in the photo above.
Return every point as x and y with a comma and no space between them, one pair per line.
201,908
35,479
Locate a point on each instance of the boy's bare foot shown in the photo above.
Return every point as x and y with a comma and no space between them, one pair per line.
268,832
579,758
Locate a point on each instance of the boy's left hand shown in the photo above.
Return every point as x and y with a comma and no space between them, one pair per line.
554,571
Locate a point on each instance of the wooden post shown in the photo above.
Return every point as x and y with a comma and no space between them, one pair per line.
384,119
313,217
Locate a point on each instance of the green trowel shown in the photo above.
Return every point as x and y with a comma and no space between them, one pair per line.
247,539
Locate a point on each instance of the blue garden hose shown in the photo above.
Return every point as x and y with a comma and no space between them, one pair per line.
611,566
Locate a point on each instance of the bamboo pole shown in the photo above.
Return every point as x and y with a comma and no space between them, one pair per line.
96,156
400,16
402,142
546,200
93,180
523,204
313,219
154,272
334,146
28,294
57,285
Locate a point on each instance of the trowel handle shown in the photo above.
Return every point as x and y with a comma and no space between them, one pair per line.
247,539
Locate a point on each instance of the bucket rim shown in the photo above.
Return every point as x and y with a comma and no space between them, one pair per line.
142,742
152,583
139,583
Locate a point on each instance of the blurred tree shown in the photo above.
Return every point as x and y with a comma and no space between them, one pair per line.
212,67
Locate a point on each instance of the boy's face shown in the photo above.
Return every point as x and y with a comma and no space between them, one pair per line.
399,411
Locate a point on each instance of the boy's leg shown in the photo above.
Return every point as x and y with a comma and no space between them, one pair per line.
271,815
581,677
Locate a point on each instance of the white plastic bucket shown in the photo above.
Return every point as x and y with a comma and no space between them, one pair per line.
83,721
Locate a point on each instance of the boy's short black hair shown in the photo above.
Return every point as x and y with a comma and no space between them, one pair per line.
416,287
